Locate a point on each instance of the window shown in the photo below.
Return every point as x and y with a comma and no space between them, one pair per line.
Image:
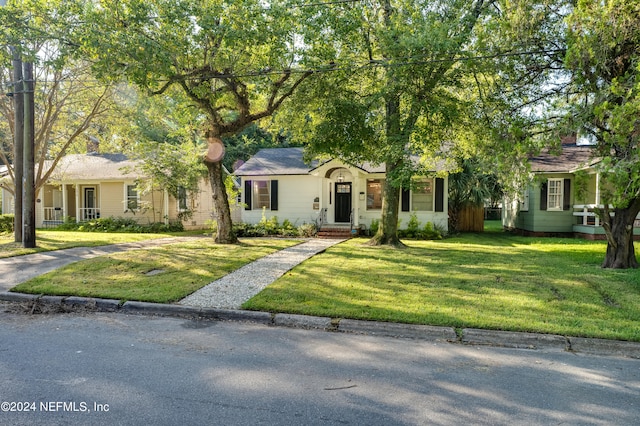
132,200
554,194
182,199
422,199
374,194
261,195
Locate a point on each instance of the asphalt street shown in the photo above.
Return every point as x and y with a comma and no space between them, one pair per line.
116,369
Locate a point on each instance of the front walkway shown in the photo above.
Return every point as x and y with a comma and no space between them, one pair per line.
232,290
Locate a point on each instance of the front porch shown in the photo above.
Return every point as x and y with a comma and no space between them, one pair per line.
588,222
69,202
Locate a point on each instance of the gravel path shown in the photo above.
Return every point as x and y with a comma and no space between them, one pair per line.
232,290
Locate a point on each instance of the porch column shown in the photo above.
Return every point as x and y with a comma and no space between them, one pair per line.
597,197
77,203
64,201
165,207
355,196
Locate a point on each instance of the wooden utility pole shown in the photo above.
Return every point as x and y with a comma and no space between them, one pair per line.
28,185
18,141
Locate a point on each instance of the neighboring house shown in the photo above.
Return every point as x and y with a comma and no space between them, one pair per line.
278,182
90,186
562,198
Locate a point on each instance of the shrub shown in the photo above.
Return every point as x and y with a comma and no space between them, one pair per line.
307,230
271,228
6,224
375,224
113,224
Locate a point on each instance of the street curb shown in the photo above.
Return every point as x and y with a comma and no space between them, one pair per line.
389,329
467,336
511,339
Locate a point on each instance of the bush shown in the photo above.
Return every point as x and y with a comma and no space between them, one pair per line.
413,230
6,224
373,229
271,228
113,224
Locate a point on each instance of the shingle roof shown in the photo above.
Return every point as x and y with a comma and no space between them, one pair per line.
573,157
276,161
289,161
95,167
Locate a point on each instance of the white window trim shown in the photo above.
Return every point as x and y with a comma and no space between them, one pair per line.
433,196
557,208
381,182
186,201
255,194
126,198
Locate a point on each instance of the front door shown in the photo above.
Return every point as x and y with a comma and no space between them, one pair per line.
89,203
343,202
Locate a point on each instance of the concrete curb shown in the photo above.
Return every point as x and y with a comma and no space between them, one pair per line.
467,336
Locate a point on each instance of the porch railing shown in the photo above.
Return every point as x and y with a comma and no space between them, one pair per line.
53,214
587,216
322,218
89,214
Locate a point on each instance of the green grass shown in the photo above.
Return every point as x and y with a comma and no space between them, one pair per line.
47,240
490,281
183,268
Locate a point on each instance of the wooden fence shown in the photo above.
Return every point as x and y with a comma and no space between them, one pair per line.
469,219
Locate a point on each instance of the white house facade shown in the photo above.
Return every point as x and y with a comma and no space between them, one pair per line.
277,182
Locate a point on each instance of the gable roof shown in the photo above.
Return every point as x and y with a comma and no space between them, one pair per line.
276,161
95,167
572,158
289,161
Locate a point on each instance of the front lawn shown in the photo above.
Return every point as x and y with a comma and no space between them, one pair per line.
47,240
491,281
162,274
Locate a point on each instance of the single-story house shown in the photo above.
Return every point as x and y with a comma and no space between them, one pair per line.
562,198
89,186
278,182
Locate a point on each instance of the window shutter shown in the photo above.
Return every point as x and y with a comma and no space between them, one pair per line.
405,200
566,202
247,194
543,196
439,207
274,195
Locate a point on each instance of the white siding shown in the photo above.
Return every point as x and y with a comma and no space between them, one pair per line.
295,199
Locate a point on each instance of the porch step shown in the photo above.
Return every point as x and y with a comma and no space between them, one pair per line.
335,232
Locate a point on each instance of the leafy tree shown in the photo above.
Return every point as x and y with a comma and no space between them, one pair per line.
604,59
69,103
242,146
234,60
393,94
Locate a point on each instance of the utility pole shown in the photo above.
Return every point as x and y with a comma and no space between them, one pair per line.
18,141
28,185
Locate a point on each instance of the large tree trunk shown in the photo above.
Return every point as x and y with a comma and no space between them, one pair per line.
619,231
388,231
224,232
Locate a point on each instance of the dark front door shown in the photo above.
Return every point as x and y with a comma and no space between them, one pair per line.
343,202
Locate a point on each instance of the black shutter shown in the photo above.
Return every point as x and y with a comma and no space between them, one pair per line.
405,200
439,195
274,195
566,202
543,196
247,194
